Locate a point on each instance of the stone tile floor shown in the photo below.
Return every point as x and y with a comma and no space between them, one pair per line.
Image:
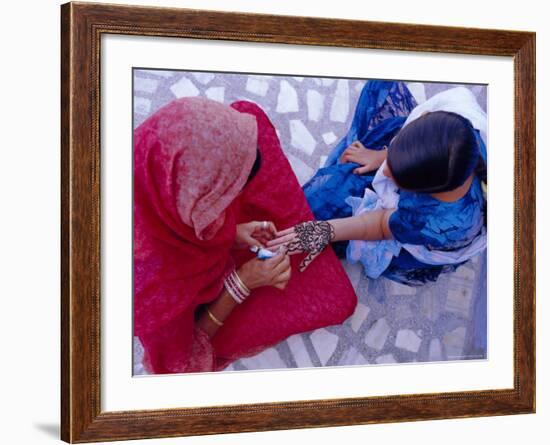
392,323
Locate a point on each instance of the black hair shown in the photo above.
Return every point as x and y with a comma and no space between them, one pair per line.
255,167
435,153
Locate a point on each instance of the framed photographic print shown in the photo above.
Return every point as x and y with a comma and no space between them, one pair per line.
274,222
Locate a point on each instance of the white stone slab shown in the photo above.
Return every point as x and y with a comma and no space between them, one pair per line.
299,351
359,316
386,358
329,137
435,350
145,84
159,73
287,100
184,88
324,343
327,82
315,105
393,288
465,272
408,340
301,138
137,358
418,91
454,343
354,272
340,103
302,171
352,357
216,93
377,334
229,368
458,301
257,85
268,359
430,306
204,78
142,105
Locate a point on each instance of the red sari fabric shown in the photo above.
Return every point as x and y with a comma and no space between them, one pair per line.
178,267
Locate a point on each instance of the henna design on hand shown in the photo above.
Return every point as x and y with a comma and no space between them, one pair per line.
311,237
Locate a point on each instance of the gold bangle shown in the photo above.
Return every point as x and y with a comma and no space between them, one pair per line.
213,318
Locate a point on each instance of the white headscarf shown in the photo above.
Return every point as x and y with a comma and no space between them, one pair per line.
459,100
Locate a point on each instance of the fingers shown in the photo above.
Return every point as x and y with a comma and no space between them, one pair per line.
251,241
354,157
277,245
285,232
291,248
271,228
259,233
274,261
347,153
294,252
282,280
276,242
264,238
266,228
307,261
282,267
362,170
284,276
294,247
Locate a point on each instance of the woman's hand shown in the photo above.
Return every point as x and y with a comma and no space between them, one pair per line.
255,233
369,159
272,272
309,237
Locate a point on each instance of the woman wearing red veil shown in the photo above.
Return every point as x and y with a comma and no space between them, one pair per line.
210,180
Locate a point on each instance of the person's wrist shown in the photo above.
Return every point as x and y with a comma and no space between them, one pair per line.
246,278
333,228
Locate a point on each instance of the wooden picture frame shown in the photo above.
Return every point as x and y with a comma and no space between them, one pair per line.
82,25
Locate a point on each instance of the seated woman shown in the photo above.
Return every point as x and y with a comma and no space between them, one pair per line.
412,210
210,181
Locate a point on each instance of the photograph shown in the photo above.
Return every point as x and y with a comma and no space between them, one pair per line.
291,221
276,222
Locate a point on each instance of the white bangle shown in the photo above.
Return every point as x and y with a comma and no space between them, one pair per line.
236,288
240,282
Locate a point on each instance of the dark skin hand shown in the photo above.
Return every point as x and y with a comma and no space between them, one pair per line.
368,159
254,233
255,273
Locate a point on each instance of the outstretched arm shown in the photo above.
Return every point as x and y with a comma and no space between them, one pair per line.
313,236
369,226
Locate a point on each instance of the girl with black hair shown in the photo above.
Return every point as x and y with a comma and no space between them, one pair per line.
410,206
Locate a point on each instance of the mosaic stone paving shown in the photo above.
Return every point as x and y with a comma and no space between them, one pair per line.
392,323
